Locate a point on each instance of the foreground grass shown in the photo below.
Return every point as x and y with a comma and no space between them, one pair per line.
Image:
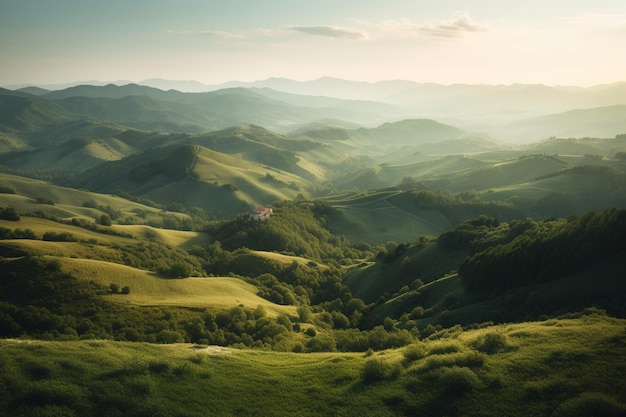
557,367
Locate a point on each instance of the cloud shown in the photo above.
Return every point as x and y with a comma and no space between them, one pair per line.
332,32
457,27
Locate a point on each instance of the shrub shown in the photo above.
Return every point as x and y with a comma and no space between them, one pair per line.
321,343
457,380
105,220
9,213
169,336
180,270
59,237
375,370
414,352
490,343
442,347
44,200
470,360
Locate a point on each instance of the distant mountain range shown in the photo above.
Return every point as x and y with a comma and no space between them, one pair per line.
490,109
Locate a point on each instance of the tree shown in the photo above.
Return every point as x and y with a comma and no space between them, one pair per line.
180,270
304,313
114,288
105,220
9,213
126,290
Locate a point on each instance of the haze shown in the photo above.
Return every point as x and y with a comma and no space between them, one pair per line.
482,42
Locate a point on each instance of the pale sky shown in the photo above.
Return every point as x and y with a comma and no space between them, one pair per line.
556,42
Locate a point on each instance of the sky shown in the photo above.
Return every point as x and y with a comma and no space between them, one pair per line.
557,42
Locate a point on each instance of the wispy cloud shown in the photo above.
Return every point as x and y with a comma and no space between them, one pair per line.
457,27
332,31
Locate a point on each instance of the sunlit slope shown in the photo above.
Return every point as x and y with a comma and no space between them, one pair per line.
146,289
32,196
41,226
176,238
250,179
386,175
281,258
304,158
73,155
506,172
195,176
460,172
103,258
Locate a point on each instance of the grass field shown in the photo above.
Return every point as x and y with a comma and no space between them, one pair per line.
279,257
69,203
559,367
149,290
382,216
176,238
41,226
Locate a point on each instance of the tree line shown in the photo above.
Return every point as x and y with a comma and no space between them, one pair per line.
546,250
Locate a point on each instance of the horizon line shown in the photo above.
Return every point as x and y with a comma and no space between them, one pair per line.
122,82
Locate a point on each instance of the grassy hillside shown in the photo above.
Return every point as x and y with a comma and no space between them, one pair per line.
30,196
506,272
73,155
562,367
386,175
382,141
378,217
194,176
570,191
150,290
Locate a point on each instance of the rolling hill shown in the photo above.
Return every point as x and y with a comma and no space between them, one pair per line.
603,122
409,135
423,269
193,176
149,290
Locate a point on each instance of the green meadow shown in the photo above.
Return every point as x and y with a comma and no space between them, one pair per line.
559,367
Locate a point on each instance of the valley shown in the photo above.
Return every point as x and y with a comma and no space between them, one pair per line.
414,261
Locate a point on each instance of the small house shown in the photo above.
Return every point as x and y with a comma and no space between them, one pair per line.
261,214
